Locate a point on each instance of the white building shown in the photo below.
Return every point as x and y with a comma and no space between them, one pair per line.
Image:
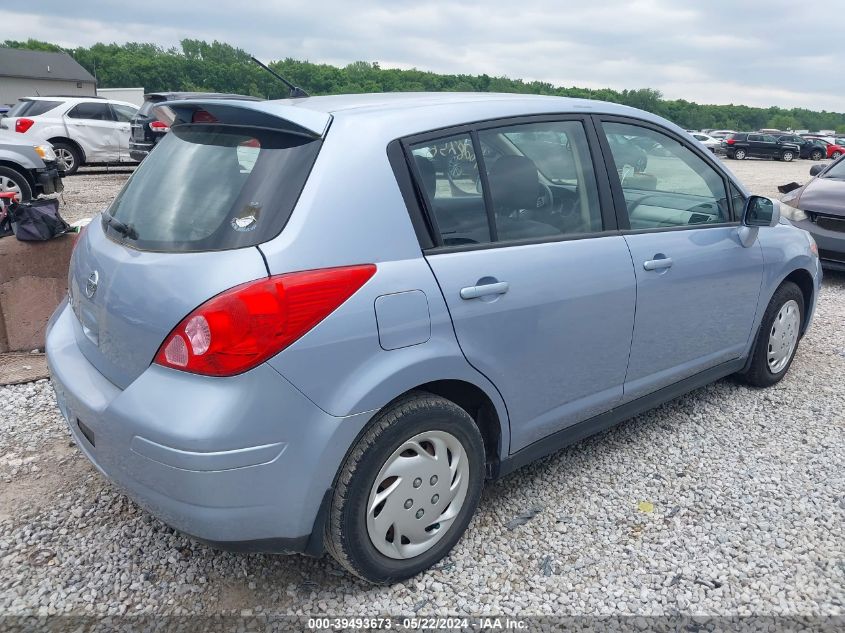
25,73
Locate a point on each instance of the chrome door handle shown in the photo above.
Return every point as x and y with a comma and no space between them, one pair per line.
474,292
658,264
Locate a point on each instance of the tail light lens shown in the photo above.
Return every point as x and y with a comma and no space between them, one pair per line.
158,126
245,325
22,125
730,141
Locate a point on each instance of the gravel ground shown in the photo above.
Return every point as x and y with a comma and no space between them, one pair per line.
728,501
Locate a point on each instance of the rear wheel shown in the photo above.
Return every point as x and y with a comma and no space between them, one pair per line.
407,489
68,157
787,156
13,181
816,154
778,337
836,155
740,154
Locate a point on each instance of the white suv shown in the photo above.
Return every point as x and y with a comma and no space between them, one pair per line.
83,130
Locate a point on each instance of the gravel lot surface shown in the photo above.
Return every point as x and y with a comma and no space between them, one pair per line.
729,500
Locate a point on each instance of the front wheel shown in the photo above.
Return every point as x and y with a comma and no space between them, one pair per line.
12,181
68,157
407,490
740,154
787,156
778,337
836,155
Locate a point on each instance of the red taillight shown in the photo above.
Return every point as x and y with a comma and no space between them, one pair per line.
158,126
247,324
201,116
22,125
730,141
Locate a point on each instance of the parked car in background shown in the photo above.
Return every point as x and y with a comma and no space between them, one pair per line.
27,170
147,130
833,150
289,332
708,141
82,130
819,208
720,134
741,145
807,147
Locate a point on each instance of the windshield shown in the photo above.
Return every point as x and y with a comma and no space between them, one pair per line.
212,187
836,170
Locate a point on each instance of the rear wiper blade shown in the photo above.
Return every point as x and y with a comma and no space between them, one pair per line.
126,230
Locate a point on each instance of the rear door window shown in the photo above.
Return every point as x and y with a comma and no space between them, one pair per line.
91,112
448,177
212,187
122,113
537,182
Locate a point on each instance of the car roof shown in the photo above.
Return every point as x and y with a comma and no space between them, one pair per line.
78,100
396,114
200,95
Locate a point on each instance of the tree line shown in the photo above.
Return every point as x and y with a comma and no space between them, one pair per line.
219,67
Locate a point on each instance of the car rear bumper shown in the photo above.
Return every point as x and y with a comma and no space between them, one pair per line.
243,463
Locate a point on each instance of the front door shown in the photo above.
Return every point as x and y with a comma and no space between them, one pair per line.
541,296
697,285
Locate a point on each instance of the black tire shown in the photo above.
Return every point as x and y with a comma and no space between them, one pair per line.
69,155
816,154
759,374
346,536
740,154
836,155
787,156
13,180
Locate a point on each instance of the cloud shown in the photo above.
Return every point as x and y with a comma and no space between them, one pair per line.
757,52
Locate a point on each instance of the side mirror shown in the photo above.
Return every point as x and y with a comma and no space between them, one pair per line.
815,170
761,211
758,211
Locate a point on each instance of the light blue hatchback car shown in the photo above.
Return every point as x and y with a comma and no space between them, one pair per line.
321,323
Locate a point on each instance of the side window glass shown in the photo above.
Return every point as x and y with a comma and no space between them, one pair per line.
447,174
123,113
541,180
91,112
664,183
737,202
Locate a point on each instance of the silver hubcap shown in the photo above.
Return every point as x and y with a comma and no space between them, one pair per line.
740,154
7,185
417,494
783,336
64,158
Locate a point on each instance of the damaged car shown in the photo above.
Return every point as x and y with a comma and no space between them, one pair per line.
819,207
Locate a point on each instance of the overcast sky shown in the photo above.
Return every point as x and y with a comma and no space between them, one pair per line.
755,52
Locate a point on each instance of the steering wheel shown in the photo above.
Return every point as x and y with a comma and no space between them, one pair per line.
546,200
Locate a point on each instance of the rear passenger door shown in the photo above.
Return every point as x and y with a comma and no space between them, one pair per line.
697,285
540,289
123,115
93,126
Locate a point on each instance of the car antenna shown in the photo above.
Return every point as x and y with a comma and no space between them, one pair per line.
295,91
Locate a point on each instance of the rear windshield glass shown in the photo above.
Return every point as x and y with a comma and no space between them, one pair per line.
212,187
147,106
32,108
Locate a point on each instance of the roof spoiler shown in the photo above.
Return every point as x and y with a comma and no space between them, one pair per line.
268,114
